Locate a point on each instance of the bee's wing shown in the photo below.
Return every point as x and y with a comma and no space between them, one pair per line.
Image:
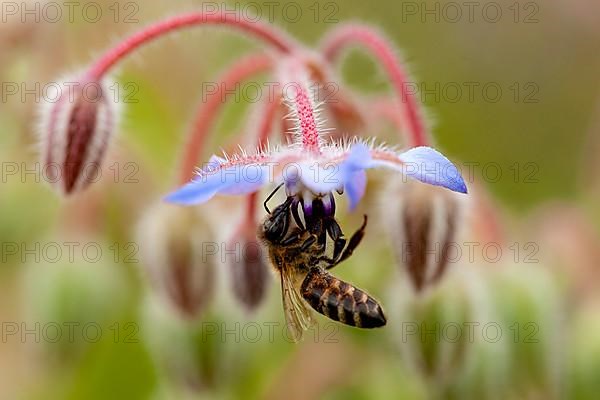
297,315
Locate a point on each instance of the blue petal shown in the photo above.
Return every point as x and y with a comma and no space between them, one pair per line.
249,179
323,179
355,188
353,168
349,175
430,166
195,192
235,180
359,158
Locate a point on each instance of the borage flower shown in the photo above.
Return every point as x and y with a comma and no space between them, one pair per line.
311,168
307,175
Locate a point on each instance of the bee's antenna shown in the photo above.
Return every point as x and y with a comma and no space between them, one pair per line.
271,196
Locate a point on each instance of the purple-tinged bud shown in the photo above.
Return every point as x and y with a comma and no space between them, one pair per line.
77,121
423,221
249,271
175,250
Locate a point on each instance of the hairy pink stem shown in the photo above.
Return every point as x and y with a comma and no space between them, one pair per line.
335,42
307,119
296,91
266,32
208,112
250,217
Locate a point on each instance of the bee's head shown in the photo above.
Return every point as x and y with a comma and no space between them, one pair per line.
275,227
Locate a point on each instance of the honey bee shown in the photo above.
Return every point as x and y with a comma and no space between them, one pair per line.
298,255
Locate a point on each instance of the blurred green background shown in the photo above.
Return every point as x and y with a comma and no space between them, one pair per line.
541,134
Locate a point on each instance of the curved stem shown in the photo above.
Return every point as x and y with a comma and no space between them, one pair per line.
386,109
348,115
337,40
265,125
251,200
264,31
207,112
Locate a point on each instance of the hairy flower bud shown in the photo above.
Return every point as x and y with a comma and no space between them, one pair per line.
249,270
423,225
172,242
442,332
76,123
488,332
427,334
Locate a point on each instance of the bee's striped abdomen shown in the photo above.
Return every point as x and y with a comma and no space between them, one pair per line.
341,301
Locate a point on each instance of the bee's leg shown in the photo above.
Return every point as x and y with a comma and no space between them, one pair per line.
336,234
329,262
292,238
352,244
295,205
354,241
317,228
323,239
308,242
338,247
315,221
